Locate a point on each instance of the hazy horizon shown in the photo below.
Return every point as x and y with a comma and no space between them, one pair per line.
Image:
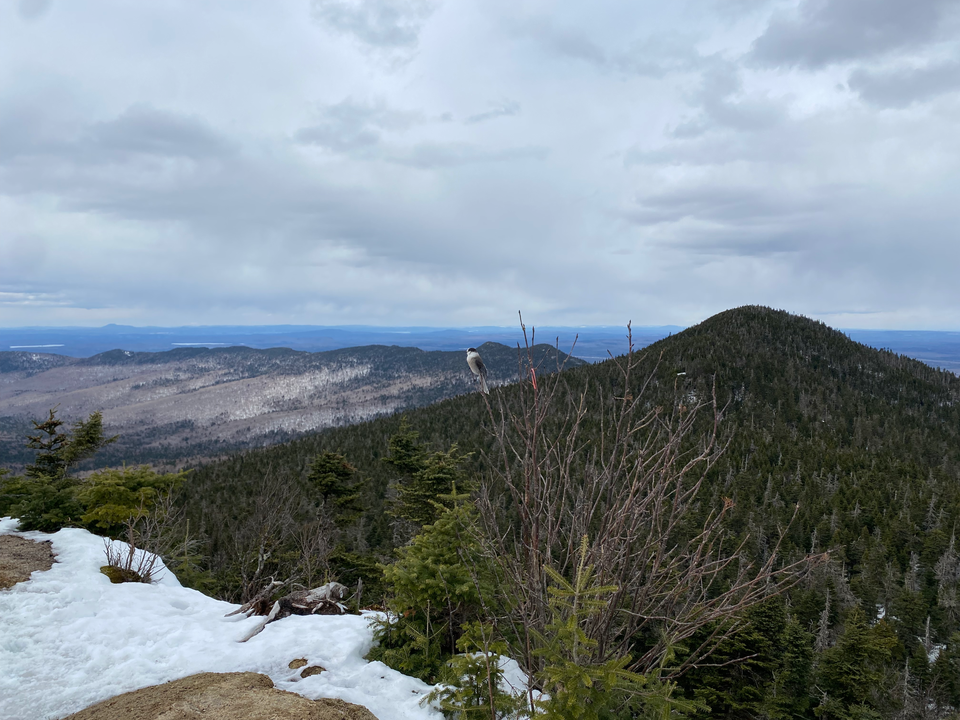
938,348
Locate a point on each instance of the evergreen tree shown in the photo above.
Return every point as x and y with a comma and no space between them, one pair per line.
851,675
788,697
755,661
434,593
45,498
57,451
332,476
406,455
473,682
577,684
426,478
111,498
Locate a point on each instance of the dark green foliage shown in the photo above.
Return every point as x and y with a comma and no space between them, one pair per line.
425,478
358,571
579,684
947,672
788,696
45,504
47,497
851,677
763,668
57,452
434,593
732,684
332,476
50,446
420,497
110,498
473,679
406,454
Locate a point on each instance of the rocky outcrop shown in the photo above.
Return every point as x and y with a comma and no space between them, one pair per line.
220,696
19,557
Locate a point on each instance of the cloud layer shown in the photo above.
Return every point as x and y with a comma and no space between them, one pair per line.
414,162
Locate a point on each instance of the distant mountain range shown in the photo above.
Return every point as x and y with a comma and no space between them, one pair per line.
196,402
935,348
593,343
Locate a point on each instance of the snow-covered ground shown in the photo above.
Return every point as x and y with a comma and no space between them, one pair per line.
70,638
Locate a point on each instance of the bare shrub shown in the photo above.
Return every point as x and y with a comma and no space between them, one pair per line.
126,562
630,490
315,540
258,543
150,534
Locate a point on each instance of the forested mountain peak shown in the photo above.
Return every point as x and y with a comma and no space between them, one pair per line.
731,336
769,350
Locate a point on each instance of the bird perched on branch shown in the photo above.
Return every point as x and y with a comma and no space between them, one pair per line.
478,369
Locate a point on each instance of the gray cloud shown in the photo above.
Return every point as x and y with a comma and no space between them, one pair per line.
437,155
33,9
745,207
354,127
652,56
657,56
360,130
25,131
141,130
230,211
821,32
390,24
504,109
905,86
723,105
145,130
565,41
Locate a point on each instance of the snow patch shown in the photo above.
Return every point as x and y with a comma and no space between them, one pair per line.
71,638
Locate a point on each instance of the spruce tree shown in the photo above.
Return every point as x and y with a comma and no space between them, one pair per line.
851,674
45,498
434,592
425,478
332,476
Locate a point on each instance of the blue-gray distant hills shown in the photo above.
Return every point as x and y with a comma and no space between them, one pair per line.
593,343
935,348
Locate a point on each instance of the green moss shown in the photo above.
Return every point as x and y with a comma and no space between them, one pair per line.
119,575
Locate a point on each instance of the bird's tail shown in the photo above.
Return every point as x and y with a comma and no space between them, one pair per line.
483,386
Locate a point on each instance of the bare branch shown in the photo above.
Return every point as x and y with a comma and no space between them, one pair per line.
632,485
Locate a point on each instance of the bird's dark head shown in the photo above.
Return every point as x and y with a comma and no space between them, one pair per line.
469,350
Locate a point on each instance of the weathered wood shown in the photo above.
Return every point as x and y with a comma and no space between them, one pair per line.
323,600
261,601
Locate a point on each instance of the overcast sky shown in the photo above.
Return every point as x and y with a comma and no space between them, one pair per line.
450,162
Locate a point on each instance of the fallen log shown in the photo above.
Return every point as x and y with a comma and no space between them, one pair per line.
323,600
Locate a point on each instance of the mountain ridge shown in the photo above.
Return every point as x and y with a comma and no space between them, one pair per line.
188,402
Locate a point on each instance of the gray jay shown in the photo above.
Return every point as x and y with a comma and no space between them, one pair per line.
478,368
